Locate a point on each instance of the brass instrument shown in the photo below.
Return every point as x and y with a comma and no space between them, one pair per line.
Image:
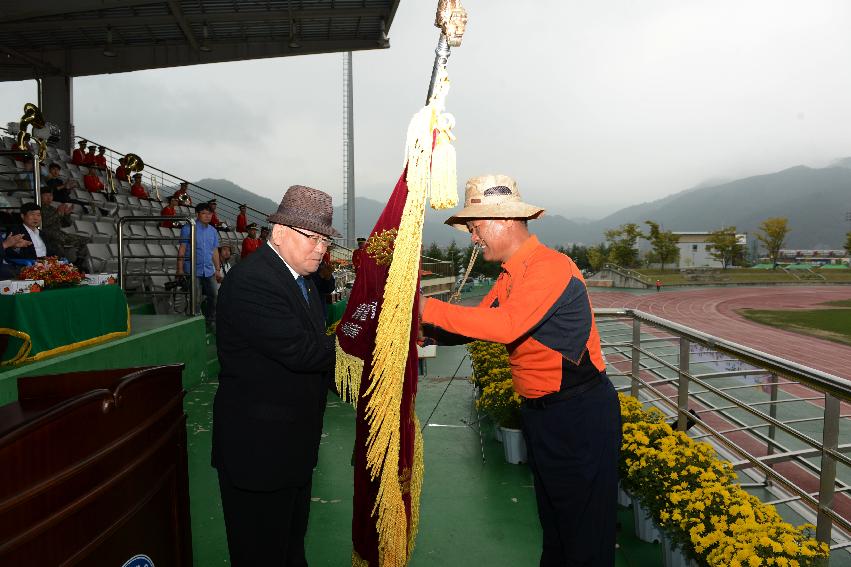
32,117
111,180
156,187
133,163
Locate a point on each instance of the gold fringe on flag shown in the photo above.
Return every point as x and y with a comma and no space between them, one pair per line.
347,375
393,334
416,484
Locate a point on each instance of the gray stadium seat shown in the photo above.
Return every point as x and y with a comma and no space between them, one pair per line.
101,259
106,229
152,230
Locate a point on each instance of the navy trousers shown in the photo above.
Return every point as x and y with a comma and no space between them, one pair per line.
573,448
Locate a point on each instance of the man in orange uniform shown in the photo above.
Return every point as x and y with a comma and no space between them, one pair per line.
357,253
250,243
137,189
79,155
242,219
539,308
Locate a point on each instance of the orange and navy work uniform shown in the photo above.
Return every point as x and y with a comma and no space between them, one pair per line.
539,308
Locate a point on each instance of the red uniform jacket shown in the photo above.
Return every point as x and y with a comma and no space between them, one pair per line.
100,161
214,220
241,223
137,190
78,157
89,159
168,212
249,245
93,183
122,174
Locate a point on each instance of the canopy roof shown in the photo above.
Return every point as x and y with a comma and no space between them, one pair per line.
57,37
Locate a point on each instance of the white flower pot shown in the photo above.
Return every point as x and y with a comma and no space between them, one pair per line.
673,557
497,433
514,445
645,527
624,499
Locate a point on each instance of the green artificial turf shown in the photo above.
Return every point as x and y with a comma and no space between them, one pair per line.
831,324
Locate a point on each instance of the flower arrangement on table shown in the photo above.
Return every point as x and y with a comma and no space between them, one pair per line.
693,496
54,273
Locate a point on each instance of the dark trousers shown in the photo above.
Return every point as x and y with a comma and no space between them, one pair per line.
265,529
206,286
573,448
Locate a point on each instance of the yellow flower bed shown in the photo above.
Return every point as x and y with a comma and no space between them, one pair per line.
686,487
693,495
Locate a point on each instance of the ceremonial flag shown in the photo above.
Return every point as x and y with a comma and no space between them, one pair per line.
376,346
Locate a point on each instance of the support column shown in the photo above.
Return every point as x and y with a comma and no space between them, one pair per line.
58,107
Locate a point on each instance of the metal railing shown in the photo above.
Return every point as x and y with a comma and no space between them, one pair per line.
627,273
678,368
190,253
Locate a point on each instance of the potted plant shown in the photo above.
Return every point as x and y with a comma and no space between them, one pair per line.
503,405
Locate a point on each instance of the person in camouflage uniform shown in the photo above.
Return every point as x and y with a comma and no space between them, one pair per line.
53,219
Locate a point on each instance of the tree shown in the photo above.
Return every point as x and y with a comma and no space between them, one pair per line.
664,244
488,269
848,243
622,244
434,252
774,231
597,256
454,256
725,246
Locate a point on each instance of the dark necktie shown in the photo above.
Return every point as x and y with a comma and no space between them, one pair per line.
300,281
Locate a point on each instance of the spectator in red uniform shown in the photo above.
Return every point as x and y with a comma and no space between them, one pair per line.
100,159
79,155
92,181
242,219
169,210
183,195
251,242
357,254
137,189
89,158
214,220
122,173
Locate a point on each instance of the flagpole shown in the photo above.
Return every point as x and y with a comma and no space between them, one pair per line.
441,57
451,18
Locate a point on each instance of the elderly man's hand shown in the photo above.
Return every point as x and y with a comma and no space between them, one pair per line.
16,241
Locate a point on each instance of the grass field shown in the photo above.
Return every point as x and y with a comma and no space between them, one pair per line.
742,275
831,324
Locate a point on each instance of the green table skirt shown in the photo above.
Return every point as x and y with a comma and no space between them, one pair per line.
335,311
55,321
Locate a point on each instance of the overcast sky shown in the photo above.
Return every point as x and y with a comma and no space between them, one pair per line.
591,105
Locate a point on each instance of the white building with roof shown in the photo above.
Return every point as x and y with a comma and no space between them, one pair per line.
696,249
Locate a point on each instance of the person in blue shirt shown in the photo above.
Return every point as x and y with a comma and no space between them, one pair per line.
208,267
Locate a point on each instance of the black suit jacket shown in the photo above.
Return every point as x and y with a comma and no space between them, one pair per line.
28,253
276,364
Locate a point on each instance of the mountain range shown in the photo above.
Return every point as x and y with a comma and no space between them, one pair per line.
815,200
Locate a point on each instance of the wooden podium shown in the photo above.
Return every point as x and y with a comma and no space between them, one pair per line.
93,470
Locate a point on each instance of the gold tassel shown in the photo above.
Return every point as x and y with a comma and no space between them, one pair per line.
347,374
393,334
444,177
417,473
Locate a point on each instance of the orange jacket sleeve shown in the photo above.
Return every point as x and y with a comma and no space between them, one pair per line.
530,297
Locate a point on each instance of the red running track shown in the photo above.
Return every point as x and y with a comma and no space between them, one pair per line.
713,311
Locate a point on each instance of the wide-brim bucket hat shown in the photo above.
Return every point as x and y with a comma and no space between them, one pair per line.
307,208
492,196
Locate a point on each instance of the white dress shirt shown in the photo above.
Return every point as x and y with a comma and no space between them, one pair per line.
38,243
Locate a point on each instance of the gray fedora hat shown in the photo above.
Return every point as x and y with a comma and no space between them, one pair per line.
307,208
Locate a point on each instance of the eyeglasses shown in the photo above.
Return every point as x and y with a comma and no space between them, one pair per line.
317,239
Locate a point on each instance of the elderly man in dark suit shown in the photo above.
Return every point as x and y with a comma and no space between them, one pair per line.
276,368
